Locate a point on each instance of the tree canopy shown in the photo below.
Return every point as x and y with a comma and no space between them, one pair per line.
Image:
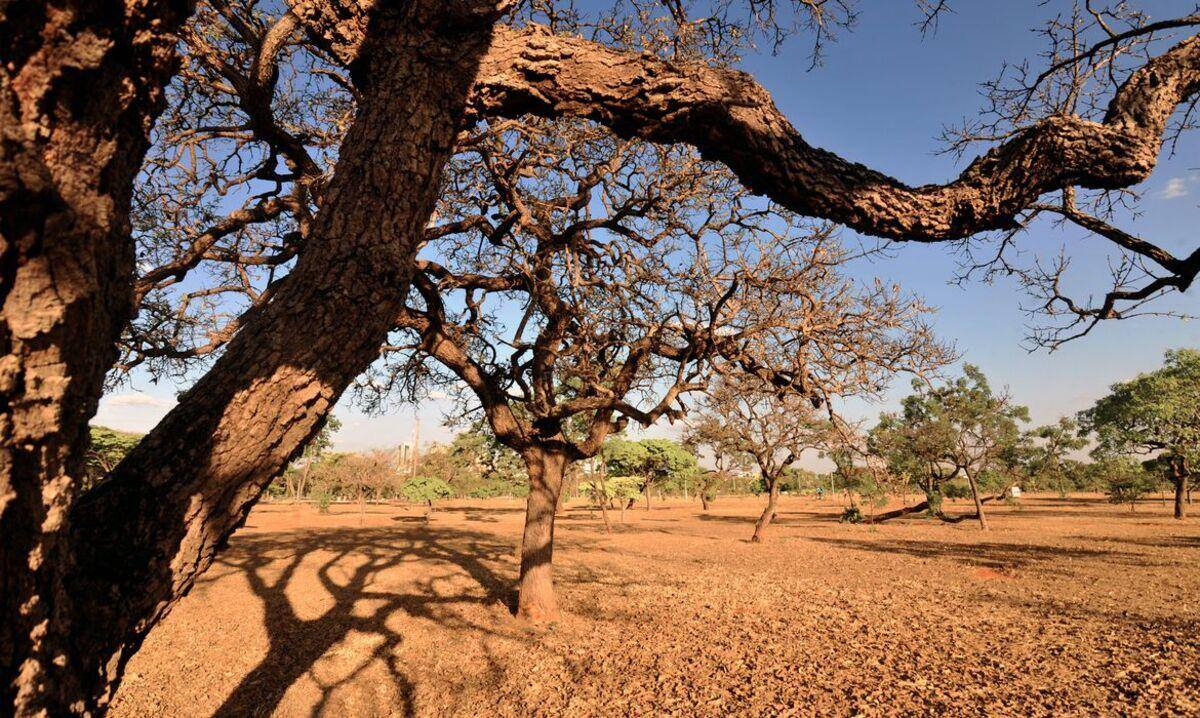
1156,413
960,428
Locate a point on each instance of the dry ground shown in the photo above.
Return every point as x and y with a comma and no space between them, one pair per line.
1067,607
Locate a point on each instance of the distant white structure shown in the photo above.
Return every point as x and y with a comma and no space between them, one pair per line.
1014,492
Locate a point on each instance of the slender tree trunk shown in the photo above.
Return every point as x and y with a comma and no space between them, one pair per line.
81,84
536,601
604,501
302,486
145,534
764,520
703,501
983,525
604,515
1181,490
647,498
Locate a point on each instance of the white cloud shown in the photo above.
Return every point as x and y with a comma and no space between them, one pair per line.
137,398
1176,188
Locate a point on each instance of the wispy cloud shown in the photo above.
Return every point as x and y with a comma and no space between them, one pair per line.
1176,187
137,398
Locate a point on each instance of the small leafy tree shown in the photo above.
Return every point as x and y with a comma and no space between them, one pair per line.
107,448
296,478
1156,414
1046,455
426,490
621,489
654,462
1126,481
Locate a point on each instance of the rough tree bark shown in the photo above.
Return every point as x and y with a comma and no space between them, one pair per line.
145,534
536,601
729,117
768,514
80,87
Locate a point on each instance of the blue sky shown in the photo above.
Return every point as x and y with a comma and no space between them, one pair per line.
881,98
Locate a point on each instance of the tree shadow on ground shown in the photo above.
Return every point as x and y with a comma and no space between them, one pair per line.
783,518
1157,542
349,563
998,556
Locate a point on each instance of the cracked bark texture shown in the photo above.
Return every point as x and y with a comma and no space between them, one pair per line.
81,83
730,118
146,533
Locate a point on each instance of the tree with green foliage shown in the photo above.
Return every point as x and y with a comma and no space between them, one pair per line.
961,428
1154,414
426,490
1046,457
855,479
486,468
668,463
1127,481
653,462
296,478
106,449
605,489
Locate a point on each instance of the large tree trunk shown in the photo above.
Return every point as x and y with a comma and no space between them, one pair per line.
983,525
764,520
81,83
536,601
146,533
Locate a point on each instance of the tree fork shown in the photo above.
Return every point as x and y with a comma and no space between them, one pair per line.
147,532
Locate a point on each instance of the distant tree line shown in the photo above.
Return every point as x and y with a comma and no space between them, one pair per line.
958,440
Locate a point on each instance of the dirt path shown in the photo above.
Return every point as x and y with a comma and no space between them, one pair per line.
1071,607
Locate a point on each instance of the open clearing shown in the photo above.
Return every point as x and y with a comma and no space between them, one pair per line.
1067,607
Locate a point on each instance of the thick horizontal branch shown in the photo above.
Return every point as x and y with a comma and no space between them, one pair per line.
729,117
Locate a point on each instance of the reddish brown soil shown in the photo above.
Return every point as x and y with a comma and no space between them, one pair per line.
1067,607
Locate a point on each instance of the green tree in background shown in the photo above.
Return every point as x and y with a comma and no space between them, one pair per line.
1126,481
296,477
1046,458
656,463
1155,414
961,428
426,490
107,448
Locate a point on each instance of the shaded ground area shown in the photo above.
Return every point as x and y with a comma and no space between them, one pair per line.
1067,607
